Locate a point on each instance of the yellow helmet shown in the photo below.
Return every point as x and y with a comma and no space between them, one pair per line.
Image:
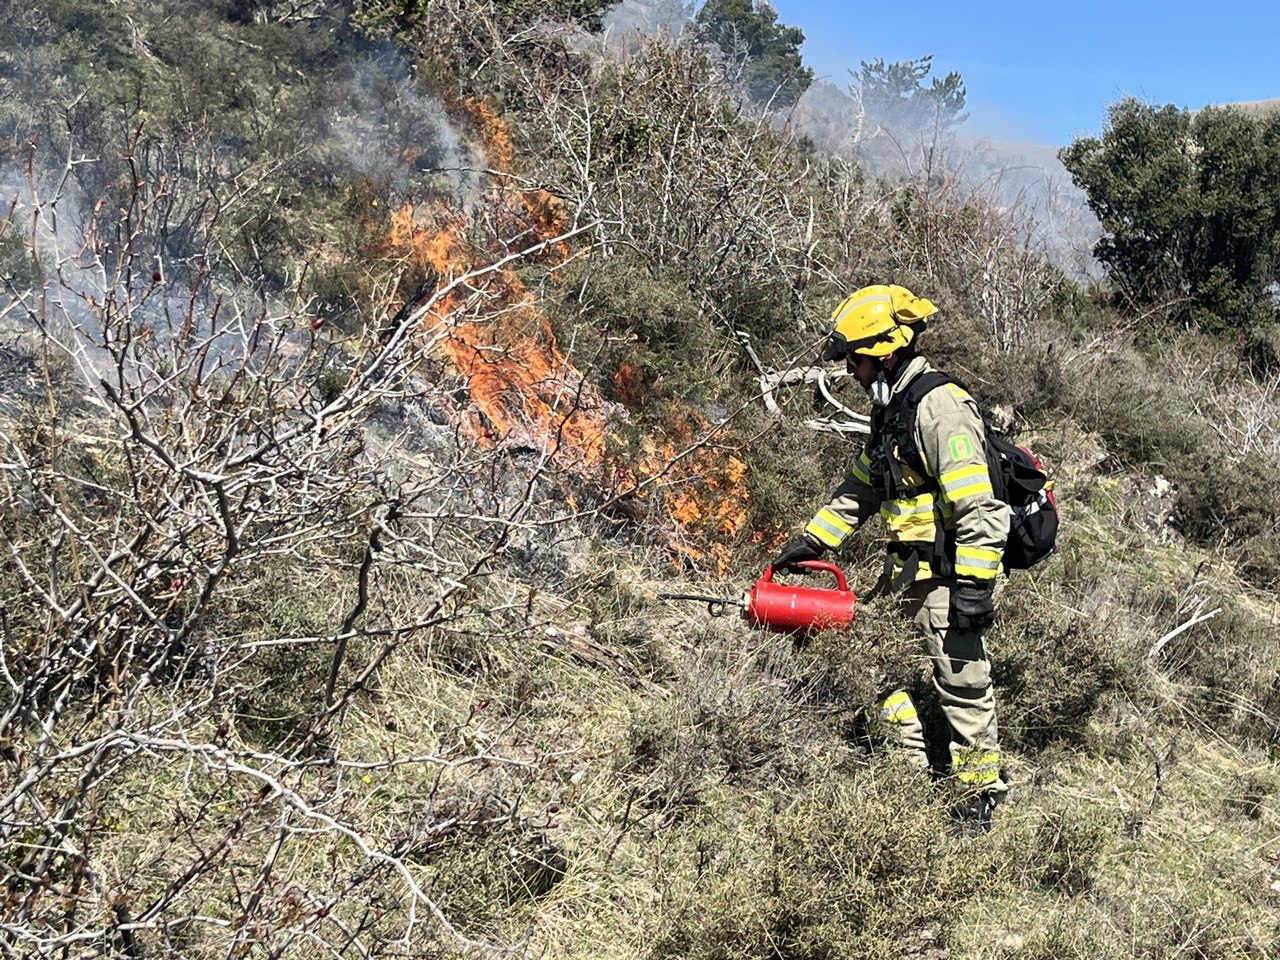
877,320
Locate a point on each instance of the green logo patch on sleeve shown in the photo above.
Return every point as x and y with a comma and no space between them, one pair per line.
961,446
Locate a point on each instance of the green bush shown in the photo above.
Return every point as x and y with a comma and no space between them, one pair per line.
1068,847
842,871
17,265
1050,670
1234,499
1144,417
1260,561
484,880
1228,671
791,471
1031,378
1189,205
639,325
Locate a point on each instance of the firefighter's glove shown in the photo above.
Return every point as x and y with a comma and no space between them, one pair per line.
971,608
794,552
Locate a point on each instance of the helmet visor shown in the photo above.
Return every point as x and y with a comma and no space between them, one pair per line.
883,344
835,348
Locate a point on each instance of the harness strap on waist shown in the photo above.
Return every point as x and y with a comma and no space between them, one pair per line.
907,575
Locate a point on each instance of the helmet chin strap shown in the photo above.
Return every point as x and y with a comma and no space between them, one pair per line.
880,391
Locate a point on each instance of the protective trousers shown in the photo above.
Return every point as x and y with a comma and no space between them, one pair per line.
962,677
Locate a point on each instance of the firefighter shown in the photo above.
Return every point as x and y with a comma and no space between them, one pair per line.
927,477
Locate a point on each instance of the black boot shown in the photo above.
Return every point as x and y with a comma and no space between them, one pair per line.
972,817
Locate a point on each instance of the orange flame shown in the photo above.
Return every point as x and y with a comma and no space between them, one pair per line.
706,494
523,391
493,132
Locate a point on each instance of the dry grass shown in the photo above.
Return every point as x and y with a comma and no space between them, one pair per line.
568,768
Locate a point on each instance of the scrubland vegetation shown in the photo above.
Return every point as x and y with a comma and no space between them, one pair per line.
367,368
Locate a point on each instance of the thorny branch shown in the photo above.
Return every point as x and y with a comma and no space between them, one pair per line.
185,451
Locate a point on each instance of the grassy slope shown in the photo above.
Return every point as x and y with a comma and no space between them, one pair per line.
709,795
723,812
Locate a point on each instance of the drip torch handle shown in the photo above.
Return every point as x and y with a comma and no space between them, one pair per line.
841,583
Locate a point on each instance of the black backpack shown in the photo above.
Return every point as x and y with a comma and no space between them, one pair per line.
1018,478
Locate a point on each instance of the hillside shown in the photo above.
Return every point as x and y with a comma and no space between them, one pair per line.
366,372
1260,108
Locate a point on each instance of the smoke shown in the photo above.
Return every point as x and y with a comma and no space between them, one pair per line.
829,117
206,268
121,314
1025,181
1031,184
632,22
391,133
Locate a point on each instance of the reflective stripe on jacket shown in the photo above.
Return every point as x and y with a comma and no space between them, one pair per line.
954,492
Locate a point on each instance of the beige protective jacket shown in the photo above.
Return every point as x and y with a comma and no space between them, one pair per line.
953,499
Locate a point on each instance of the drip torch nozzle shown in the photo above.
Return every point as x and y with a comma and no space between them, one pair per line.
716,606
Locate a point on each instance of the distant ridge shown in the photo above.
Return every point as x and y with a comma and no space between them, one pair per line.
1256,108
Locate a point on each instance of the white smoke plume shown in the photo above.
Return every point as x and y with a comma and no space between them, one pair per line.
1025,180
634,21
391,132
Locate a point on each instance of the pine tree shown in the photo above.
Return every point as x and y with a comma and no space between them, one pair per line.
769,51
894,96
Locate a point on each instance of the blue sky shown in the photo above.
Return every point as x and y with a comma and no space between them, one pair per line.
1044,72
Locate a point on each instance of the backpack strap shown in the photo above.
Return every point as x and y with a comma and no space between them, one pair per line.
896,425
899,424
908,405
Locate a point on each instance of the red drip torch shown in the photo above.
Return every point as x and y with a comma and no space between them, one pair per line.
787,608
